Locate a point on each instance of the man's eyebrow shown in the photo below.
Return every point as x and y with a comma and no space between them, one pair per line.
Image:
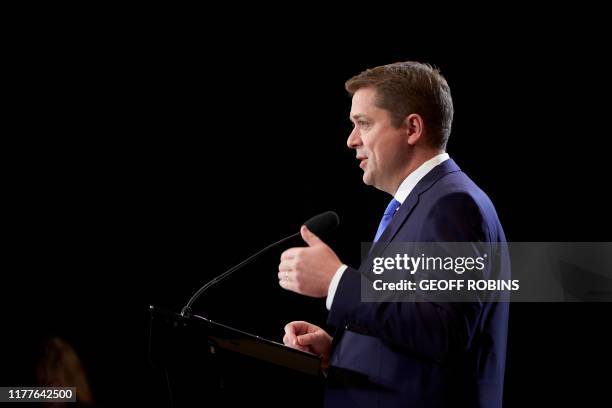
358,116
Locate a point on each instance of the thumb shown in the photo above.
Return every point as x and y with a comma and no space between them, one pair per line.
310,238
306,339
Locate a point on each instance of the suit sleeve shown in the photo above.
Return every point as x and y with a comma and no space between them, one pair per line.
432,330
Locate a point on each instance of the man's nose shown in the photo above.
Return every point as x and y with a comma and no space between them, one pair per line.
354,139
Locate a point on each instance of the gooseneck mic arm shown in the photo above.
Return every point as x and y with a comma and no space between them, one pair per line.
317,224
187,309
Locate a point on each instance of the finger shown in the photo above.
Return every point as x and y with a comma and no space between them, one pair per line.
286,276
290,253
306,339
297,327
301,348
289,339
285,265
287,285
309,237
298,347
293,344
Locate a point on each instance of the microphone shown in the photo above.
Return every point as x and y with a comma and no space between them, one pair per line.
318,224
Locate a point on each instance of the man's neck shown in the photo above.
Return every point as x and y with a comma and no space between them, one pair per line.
414,164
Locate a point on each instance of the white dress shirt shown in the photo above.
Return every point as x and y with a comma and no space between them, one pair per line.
401,194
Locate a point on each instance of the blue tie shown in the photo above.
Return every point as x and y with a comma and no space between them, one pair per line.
386,219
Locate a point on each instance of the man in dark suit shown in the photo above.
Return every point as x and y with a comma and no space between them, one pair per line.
419,353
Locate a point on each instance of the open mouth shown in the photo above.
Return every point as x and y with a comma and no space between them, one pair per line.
363,162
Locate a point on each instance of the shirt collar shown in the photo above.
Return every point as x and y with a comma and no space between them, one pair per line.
413,178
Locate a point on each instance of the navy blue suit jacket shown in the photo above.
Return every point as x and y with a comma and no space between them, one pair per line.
424,354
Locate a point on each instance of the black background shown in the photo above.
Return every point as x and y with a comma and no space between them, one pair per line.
142,162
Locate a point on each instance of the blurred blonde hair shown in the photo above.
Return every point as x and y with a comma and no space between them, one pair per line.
60,366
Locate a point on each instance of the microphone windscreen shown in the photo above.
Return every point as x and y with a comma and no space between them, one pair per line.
323,222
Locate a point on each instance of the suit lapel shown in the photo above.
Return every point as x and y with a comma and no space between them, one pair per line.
447,167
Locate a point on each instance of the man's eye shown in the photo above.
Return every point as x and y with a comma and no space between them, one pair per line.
359,123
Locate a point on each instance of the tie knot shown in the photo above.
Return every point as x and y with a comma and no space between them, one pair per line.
392,207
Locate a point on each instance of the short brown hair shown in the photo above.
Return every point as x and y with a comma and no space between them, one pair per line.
410,87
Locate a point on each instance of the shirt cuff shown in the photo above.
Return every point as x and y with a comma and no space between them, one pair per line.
333,285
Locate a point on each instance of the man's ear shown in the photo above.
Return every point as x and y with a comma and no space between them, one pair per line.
414,128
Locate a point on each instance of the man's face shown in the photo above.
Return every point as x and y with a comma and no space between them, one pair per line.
381,148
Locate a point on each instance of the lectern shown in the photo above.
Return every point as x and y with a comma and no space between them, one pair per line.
206,363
